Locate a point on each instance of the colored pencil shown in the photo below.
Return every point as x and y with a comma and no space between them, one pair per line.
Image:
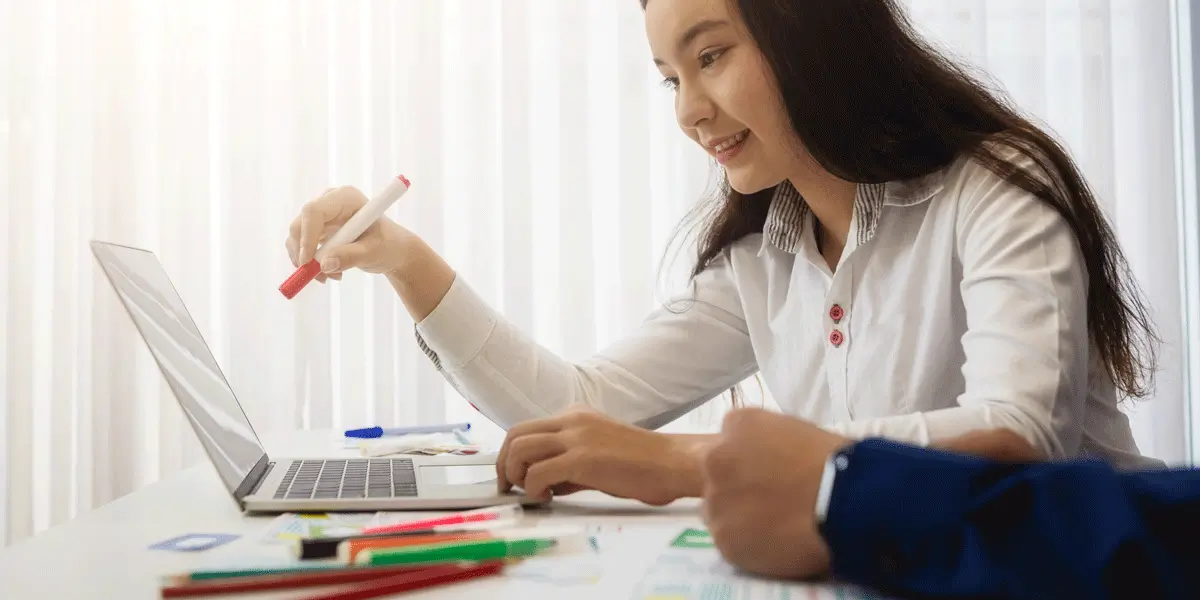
348,550
252,571
481,516
327,547
470,550
181,586
412,581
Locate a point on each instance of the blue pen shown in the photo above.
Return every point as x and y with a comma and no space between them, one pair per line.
375,432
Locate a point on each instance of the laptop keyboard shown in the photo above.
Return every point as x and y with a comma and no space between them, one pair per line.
348,478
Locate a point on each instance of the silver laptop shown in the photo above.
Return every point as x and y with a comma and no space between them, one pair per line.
262,483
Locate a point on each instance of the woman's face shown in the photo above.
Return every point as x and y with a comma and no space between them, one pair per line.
726,99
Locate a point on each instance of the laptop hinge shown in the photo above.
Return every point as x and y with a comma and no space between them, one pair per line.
266,475
253,479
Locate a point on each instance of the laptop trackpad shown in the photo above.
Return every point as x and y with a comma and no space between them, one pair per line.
457,480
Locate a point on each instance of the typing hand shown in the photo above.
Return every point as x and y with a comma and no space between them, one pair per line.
760,489
583,449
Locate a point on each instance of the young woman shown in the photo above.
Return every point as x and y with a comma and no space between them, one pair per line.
898,254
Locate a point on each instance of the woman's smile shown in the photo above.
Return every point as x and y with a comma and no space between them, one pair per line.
727,148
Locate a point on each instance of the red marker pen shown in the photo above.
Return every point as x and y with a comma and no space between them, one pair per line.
350,231
494,514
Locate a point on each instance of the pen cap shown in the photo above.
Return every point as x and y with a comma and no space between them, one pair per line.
366,432
300,278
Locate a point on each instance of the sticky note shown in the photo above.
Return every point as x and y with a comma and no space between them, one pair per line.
193,542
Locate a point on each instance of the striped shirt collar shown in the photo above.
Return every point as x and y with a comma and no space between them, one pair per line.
788,214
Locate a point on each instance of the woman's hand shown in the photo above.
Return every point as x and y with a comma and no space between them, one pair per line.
583,449
419,276
380,249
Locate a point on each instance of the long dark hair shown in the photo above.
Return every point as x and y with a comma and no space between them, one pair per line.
872,102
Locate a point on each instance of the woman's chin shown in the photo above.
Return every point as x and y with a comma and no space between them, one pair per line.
745,181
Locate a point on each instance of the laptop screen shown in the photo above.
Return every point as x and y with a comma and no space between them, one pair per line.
184,359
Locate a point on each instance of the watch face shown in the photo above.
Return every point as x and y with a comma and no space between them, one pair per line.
834,464
841,461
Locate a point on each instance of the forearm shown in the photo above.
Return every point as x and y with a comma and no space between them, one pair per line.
423,280
671,363
935,428
946,524
687,474
901,520
1002,445
511,378
698,443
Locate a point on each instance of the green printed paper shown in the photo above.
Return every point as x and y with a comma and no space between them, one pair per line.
693,538
691,568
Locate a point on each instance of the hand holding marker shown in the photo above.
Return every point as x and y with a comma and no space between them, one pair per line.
347,233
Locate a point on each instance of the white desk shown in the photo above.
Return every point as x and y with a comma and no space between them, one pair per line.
103,554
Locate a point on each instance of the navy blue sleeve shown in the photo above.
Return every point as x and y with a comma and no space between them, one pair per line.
926,523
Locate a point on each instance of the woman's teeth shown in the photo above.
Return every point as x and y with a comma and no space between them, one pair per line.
731,142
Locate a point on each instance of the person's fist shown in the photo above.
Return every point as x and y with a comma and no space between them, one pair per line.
380,249
760,488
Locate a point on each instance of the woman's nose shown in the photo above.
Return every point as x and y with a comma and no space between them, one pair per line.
693,106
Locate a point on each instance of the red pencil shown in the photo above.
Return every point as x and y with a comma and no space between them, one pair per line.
413,581
181,587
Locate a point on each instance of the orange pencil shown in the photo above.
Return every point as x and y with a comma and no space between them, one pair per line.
327,547
348,550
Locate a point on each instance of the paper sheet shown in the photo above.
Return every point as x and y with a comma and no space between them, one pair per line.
422,444
289,527
571,570
691,568
683,565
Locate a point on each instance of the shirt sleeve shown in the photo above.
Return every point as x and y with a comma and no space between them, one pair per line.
685,353
1024,286
926,523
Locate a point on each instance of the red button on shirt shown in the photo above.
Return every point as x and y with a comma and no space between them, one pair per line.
836,313
836,338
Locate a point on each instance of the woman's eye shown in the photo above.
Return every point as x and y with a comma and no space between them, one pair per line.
671,83
708,58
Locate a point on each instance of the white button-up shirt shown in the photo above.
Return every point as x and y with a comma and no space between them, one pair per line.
959,303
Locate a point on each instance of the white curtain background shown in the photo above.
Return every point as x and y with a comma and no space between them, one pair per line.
546,166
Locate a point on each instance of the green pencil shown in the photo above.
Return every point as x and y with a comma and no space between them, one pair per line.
251,571
474,550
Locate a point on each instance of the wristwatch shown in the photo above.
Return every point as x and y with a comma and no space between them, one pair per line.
838,461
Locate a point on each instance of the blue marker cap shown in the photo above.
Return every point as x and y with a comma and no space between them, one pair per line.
369,432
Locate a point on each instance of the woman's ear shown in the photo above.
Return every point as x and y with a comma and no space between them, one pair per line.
1003,445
